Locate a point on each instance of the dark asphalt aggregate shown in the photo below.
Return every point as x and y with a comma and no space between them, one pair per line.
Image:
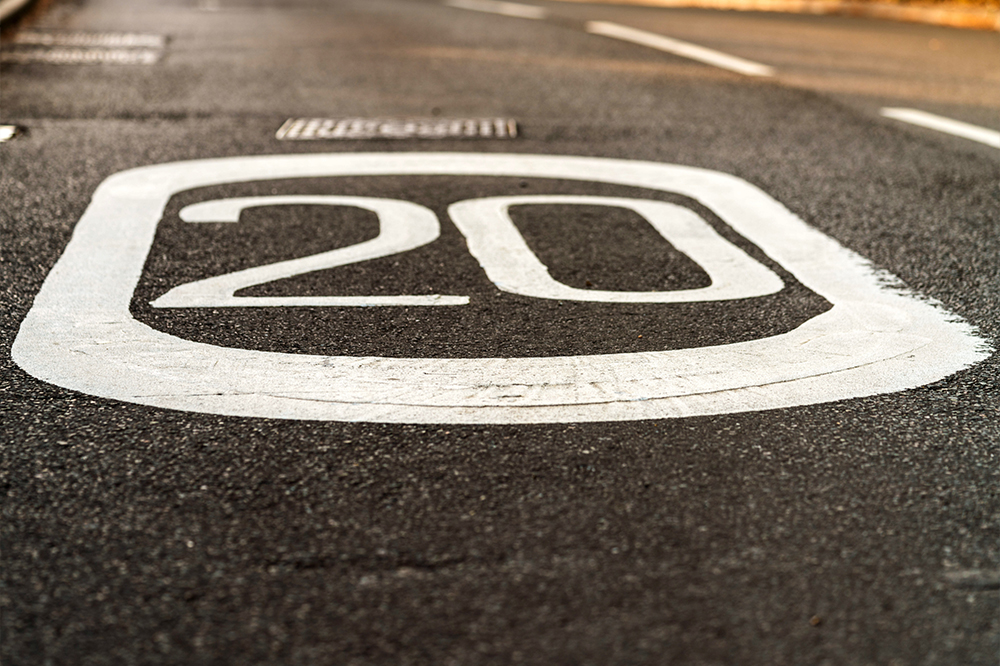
864,531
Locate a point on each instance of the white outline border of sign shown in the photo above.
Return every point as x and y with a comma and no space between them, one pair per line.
877,338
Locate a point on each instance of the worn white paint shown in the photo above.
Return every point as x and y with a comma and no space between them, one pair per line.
514,9
679,48
946,125
403,226
877,338
513,267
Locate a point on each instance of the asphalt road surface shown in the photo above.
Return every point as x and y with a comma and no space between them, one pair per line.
601,348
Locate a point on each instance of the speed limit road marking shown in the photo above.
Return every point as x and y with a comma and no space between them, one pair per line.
876,338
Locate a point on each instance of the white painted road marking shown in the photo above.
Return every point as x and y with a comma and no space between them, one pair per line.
492,238
876,338
946,125
120,40
403,226
513,267
74,56
397,128
515,9
679,48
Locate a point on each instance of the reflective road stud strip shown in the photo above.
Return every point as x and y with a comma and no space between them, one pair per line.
79,334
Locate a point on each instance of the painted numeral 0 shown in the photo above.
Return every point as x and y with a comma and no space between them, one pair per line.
493,240
513,267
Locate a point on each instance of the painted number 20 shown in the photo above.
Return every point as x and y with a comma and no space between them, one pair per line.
493,240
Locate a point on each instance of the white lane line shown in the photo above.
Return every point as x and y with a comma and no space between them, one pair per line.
946,125
504,8
679,48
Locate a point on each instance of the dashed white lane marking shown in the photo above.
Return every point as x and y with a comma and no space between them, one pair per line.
946,125
7,132
505,8
679,48
876,338
75,56
111,40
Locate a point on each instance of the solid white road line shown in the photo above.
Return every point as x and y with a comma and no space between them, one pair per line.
504,8
679,48
946,125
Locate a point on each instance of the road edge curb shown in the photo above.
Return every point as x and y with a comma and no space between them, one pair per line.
954,16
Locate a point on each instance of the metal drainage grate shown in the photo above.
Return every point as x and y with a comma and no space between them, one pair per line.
299,129
108,40
60,56
84,48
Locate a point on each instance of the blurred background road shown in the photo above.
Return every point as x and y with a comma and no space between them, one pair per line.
859,531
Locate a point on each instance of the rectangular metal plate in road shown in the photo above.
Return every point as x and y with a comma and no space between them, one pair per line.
83,48
107,40
397,128
75,56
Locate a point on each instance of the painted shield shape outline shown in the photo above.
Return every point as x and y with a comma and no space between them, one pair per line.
877,338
